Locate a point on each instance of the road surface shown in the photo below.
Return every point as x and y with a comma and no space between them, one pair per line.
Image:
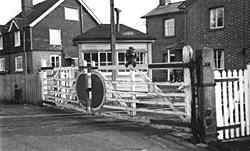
28,128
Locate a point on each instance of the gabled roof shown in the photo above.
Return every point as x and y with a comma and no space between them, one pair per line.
39,11
166,9
102,32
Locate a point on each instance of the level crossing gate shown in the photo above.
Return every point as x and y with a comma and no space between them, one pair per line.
138,94
194,101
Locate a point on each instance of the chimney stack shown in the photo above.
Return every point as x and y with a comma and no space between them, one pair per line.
118,11
164,2
27,5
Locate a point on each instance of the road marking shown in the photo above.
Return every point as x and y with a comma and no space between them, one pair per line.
42,115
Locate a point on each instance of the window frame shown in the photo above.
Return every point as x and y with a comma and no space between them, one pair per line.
165,28
167,57
17,69
52,41
107,58
70,18
2,62
55,56
216,9
1,41
220,60
17,38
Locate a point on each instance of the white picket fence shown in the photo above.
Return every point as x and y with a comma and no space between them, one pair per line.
232,103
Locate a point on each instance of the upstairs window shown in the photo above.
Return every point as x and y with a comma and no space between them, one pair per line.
219,58
2,64
19,63
1,42
71,14
55,37
217,18
17,39
169,27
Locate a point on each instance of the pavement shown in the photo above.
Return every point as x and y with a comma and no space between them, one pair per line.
35,128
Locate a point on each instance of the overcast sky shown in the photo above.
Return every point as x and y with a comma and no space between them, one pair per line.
132,10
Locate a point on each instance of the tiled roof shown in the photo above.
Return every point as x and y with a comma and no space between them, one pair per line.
23,18
166,9
102,32
3,28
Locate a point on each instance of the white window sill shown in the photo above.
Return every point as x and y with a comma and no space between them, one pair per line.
214,28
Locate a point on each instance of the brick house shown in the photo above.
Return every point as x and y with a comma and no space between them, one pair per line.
42,34
222,26
166,23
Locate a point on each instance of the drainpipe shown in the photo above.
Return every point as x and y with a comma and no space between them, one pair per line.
25,53
81,19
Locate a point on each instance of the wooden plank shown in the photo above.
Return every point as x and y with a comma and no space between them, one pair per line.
152,102
241,89
246,84
227,79
236,102
231,103
219,105
169,94
168,65
225,104
167,112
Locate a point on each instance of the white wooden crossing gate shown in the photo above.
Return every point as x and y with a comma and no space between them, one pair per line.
136,93
232,103
58,86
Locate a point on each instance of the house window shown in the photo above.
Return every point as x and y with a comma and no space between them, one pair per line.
140,59
219,58
169,27
55,61
174,56
71,14
2,64
105,58
55,37
1,42
217,18
17,38
19,63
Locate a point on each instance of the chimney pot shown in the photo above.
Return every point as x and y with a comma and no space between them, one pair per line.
164,2
118,11
27,5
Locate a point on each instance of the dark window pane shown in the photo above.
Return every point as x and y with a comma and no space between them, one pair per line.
220,15
87,57
103,59
95,57
109,59
121,58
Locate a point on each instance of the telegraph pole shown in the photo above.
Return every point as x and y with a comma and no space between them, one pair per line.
113,40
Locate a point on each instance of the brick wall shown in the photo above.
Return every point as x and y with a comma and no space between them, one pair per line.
232,38
69,29
155,28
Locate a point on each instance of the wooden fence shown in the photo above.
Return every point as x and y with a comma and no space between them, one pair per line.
232,103
20,88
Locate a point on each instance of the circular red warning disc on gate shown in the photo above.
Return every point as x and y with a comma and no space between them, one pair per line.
82,88
97,89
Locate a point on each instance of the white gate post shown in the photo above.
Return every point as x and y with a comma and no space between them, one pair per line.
133,105
187,82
